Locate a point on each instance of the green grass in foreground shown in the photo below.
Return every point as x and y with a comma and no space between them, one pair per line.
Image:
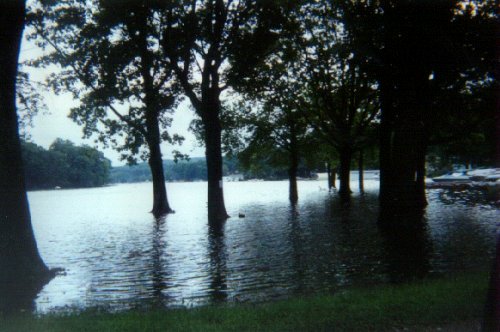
428,303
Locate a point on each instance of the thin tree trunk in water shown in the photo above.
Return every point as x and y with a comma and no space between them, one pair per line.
333,178
360,170
345,171
329,175
216,208
421,177
19,257
292,177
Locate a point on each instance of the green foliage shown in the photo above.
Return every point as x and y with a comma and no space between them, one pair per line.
341,90
454,303
64,165
29,102
112,63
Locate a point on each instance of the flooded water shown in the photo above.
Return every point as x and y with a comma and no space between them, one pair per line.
117,256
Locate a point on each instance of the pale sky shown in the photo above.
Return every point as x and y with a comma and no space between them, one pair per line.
56,124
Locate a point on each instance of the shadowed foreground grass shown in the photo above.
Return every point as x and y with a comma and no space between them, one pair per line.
428,303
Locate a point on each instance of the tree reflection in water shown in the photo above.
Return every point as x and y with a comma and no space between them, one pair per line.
15,296
217,253
158,273
408,246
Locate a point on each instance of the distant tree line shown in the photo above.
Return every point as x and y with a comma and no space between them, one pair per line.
64,165
195,169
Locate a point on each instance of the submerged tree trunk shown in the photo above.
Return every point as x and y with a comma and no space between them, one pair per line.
345,171
19,257
329,175
292,176
333,178
386,133
405,99
160,201
421,177
213,152
360,170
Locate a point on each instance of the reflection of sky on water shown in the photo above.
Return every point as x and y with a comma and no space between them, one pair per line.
117,256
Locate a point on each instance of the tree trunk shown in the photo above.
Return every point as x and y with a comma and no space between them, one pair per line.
406,102
329,175
421,177
402,148
360,174
386,132
213,152
345,171
160,201
292,176
19,257
333,178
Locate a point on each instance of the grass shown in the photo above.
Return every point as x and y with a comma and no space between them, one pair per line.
426,303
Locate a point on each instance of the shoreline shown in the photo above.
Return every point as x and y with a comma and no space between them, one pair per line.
444,303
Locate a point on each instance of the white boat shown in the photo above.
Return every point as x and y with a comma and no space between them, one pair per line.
487,174
453,177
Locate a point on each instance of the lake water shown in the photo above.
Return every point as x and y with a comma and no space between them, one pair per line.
117,256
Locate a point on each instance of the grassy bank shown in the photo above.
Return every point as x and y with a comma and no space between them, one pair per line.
430,303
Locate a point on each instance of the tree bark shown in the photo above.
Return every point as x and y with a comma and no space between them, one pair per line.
333,178
345,171
386,133
19,256
421,177
213,152
405,102
292,176
160,201
360,174
329,175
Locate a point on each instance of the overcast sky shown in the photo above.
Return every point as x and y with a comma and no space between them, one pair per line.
56,124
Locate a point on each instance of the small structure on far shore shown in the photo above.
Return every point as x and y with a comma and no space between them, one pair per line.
234,177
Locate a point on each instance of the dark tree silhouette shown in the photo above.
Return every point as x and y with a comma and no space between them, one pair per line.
113,51
209,45
278,135
341,90
20,261
432,51
276,122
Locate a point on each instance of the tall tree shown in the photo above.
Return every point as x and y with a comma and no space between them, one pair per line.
113,64
342,94
19,257
428,50
278,134
210,44
276,120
